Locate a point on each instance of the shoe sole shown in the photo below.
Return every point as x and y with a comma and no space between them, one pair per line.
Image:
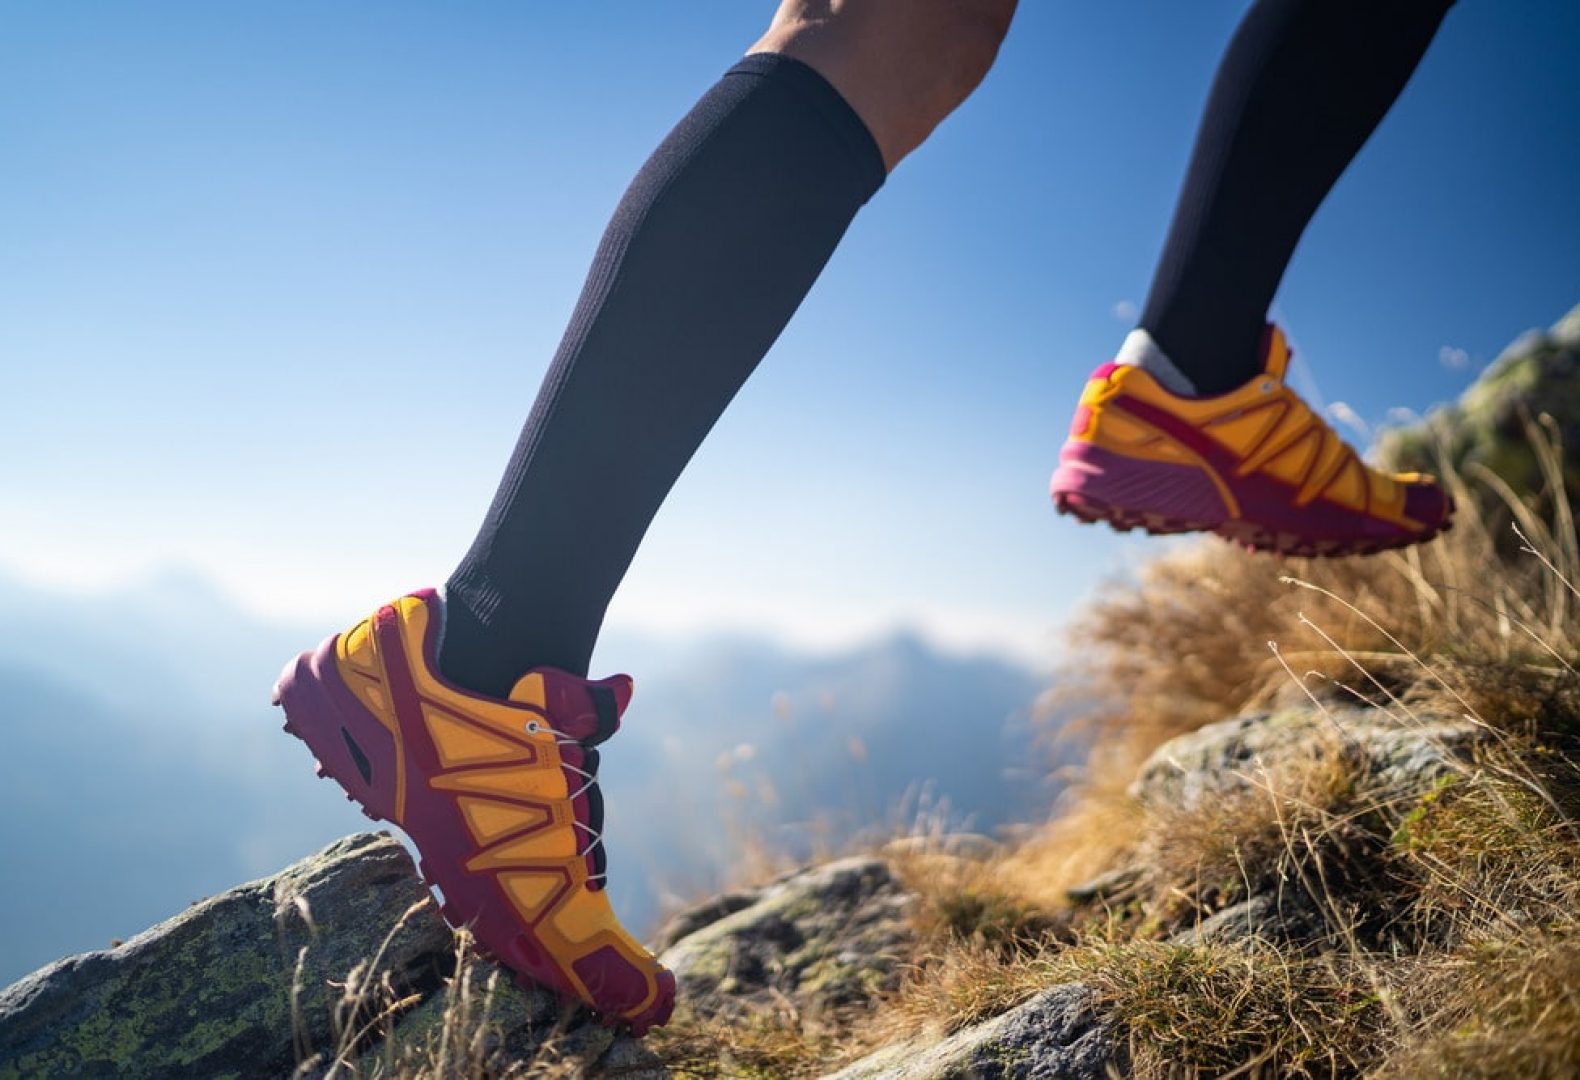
1099,486
357,752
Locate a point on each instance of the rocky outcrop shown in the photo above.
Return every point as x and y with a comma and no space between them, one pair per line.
1402,755
253,981
1060,1034
1539,373
831,936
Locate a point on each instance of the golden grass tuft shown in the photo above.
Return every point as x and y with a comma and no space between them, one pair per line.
1213,1010
982,946
776,1042
1510,1008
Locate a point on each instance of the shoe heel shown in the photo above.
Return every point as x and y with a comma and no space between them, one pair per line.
352,747
1094,484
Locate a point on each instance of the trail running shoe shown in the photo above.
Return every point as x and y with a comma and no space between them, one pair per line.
1255,465
499,796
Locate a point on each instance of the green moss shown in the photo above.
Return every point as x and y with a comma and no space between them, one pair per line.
709,961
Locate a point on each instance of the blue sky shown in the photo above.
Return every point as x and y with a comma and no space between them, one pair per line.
279,282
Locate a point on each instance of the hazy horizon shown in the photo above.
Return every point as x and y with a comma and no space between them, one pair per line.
147,769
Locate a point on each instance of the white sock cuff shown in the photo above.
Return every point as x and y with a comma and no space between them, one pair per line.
1139,350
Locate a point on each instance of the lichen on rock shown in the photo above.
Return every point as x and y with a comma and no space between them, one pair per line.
251,982
829,936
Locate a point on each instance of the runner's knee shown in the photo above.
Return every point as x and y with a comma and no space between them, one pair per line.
977,29
902,66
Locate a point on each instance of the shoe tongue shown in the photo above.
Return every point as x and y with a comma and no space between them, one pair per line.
586,710
1275,353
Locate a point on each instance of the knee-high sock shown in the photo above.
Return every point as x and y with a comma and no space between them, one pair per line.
1301,88
713,247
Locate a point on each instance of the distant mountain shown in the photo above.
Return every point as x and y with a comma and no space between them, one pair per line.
146,768
743,741
109,819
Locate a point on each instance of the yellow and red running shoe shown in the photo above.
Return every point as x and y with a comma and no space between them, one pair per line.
1254,465
500,798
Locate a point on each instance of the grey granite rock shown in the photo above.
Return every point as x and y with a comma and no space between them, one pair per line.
1057,1035
210,992
710,911
832,935
1400,756
1266,917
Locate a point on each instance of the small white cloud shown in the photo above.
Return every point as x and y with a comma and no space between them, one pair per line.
1126,310
1452,358
1343,414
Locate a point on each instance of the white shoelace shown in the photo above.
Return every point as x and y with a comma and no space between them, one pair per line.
590,779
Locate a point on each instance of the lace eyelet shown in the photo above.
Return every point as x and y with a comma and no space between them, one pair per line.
533,727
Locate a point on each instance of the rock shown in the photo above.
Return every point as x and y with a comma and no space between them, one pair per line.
1566,331
1536,374
1057,1035
1223,758
707,913
1111,884
829,936
520,1020
630,1059
1273,919
970,847
209,992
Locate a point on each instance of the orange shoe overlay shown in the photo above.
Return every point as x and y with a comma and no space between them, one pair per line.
499,797
1255,465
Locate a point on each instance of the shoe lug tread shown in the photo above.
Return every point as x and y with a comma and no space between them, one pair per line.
1247,535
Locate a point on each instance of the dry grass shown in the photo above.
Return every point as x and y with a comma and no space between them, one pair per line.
1207,631
982,947
779,1042
1211,1011
1449,936
379,1033
1510,1008
1431,933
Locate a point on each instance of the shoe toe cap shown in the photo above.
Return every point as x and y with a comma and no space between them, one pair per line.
640,994
1426,502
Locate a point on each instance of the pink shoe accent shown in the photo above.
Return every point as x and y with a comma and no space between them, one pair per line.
1099,485
350,744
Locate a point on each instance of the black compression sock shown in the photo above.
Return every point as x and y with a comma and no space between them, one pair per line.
714,246
1301,88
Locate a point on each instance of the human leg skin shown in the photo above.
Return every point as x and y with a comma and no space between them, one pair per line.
903,67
